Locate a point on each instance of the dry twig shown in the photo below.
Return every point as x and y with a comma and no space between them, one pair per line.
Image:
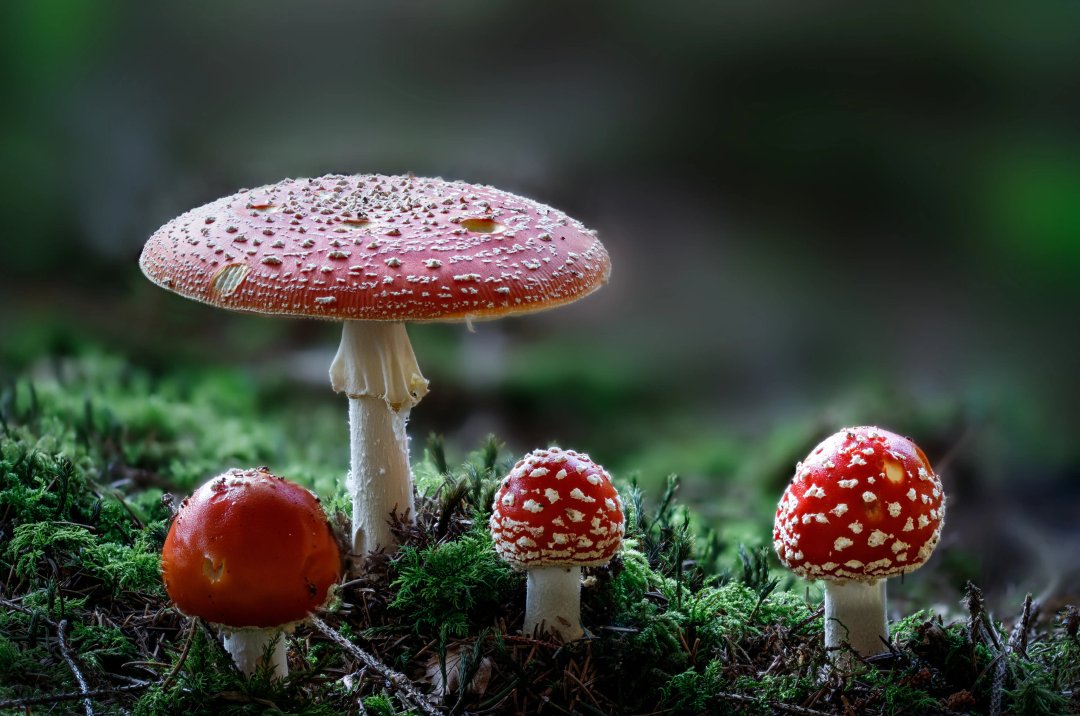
405,689
61,636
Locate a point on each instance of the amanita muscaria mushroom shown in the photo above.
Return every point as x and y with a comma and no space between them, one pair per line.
375,252
253,554
555,513
864,506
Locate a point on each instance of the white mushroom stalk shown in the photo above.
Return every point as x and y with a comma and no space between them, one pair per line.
855,615
376,368
553,602
248,646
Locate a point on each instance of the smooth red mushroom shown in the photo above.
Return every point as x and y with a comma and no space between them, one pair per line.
864,506
253,554
555,513
375,252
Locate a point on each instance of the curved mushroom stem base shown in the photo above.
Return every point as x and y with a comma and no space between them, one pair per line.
248,646
553,602
855,615
379,481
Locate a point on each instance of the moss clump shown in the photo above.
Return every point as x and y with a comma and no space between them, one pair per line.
446,589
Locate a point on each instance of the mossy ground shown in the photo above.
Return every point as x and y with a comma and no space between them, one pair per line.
680,622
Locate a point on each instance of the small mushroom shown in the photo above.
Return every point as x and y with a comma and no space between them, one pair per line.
253,554
864,506
555,513
375,252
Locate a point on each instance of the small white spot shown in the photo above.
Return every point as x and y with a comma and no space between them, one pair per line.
848,484
393,262
923,521
577,494
840,509
868,496
560,475
876,538
855,527
539,472
842,543
533,506
909,525
551,495
853,564
814,491
911,494
574,515
856,460
899,546
894,509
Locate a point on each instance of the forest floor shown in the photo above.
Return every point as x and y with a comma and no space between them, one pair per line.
679,622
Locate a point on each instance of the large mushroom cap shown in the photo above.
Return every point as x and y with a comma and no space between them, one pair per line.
557,508
864,505
390,248
249,549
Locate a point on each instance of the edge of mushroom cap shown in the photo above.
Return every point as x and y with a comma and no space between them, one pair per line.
481,313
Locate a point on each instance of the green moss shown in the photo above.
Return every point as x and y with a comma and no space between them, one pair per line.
448,588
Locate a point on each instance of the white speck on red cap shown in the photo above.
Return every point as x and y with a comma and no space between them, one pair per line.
900,495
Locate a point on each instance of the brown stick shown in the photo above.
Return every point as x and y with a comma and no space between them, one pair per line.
405,689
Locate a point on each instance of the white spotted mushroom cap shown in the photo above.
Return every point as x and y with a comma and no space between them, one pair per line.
373,247
557,508
864,505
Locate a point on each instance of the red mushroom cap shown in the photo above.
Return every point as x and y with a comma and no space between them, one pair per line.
557,508
864,505
249,549
390,248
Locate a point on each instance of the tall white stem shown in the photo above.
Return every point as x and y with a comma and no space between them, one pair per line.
553,599
376,368
247,646
855,615
380,480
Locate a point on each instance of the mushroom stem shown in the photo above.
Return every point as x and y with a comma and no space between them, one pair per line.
553,602
855,615
376,368
248,646
380,480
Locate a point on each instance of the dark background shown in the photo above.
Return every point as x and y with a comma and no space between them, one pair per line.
817,216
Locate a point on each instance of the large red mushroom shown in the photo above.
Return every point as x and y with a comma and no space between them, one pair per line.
864,506
556,512
376,252
253,554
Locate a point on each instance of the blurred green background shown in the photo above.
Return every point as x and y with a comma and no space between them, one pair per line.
817,216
